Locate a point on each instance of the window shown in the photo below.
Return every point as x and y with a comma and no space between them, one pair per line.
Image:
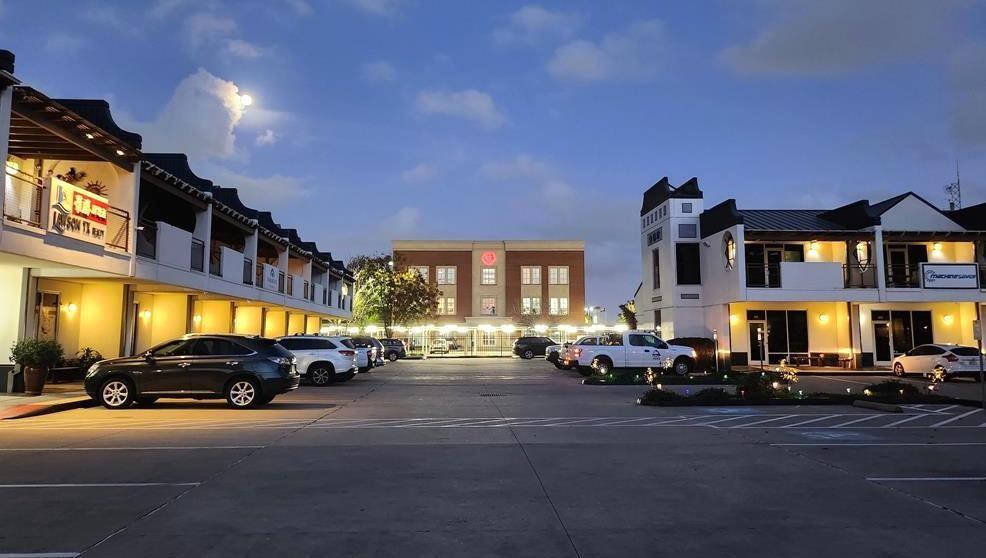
488,276
558,275
686,230
488,339
446,306
531,305
530,275
654,236
588,341
656,268
487,306
647,340
686,207
217,347
445,275
174,348
558,306
729,250
688,268
422,271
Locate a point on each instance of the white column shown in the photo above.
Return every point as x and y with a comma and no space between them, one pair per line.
880,265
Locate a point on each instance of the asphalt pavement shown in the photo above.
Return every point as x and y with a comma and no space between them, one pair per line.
491,457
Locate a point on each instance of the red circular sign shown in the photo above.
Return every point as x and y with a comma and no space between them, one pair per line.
489,258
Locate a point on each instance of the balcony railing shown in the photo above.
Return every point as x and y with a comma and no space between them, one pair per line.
982,277
763,275
280,281
22,198
216,262
305,289
247,271
903,276
197,256
118,228
856,278
147,239
290,285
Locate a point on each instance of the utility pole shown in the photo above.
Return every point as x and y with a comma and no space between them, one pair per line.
953,191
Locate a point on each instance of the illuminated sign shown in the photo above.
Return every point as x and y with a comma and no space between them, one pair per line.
77,213
949,276
489,258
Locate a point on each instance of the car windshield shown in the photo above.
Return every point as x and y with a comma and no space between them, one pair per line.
273,346
348,343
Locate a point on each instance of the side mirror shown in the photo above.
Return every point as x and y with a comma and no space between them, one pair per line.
148,356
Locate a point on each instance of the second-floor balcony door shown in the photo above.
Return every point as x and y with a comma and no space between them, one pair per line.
904,265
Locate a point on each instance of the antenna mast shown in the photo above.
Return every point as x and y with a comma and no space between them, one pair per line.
953,191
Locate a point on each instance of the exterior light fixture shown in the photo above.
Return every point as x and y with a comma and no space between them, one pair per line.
146,314
823,318
197,318
863,254
733,319
90,136
947,319
70,307
813,246
120,152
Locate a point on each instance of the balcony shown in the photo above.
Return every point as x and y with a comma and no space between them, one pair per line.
809,276
197,255
247,271
22,199
147,232
117,228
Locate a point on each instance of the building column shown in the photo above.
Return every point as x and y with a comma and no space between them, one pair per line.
879,264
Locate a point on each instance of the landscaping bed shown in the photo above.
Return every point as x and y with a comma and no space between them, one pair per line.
642,379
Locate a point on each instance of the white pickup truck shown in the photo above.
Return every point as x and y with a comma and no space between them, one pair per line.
632,349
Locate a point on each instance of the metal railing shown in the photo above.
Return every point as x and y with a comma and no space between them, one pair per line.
147,239
118,228
22,198
306,294
197,255
247,271
280,281
763,275
982,277
856,278
903,276
216,262
290,285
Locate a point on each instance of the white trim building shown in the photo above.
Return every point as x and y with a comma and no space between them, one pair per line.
852,286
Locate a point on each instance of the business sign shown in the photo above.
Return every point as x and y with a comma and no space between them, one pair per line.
949,276
488,258
270,277
77,213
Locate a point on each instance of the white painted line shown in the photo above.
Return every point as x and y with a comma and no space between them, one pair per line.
908,419
624,421
844,424
762,421
819,419
710,423
569,422
925,479
101,485
138,448
39,555
881,444
955,418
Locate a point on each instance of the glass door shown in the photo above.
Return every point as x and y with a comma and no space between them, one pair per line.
882,343
46,316
758,342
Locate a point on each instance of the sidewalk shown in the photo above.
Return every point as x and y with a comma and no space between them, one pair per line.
18,405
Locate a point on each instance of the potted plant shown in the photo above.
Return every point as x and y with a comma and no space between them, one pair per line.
35,357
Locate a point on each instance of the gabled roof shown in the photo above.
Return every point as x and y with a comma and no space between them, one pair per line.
661,191
97,111
972,218
789,220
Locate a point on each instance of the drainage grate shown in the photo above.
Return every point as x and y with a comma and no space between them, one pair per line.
491,395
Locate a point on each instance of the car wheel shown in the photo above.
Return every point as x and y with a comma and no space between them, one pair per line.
682,366
392,357
528,354
321,374
146,401
899,370
242,393
602,367
116,393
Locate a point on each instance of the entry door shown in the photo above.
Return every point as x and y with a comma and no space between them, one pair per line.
882,343
897,261
758,352
46,316
775,255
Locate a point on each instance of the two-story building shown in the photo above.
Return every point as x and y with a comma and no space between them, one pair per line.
853,285
106,247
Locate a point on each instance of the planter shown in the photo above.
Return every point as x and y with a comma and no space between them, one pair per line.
34,380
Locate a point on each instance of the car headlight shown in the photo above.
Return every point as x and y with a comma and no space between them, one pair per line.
92,370
694,354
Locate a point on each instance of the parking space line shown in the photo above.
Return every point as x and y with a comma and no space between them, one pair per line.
855,421
99,485
926,479
39,555
955,418
762,421
134,448
819,419
908,419
873,444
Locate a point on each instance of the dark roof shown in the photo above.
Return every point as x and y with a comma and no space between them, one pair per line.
6,61
789,220
663,190
880,208
176,164
230,197
971,218
97,111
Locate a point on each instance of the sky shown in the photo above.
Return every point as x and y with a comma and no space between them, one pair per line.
381,119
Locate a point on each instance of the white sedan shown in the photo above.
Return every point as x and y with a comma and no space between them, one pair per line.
952,360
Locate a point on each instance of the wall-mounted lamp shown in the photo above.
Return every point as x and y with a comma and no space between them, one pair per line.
71,307
947,319
733,319
936,246
813,246
197,318
823,318
146,314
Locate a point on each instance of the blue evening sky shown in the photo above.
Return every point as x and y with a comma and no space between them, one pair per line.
382,119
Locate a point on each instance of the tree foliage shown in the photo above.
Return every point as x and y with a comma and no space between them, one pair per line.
390,295
628,314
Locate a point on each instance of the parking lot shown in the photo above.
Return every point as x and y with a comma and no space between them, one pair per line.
491,457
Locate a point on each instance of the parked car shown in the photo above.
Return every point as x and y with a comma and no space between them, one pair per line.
952,360
443,346
633,350
246,370
393,349
323,360
374,351
530,347
566,359
552,352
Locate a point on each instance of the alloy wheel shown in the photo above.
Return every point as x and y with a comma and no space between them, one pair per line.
899,370
320,376
528,354
681,368
116,393
242,393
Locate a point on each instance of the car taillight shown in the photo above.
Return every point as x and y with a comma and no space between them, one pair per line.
282,361
951,358
347,353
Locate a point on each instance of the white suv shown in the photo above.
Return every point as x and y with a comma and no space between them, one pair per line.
323,360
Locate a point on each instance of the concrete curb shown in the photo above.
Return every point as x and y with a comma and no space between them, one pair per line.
877,406
44,408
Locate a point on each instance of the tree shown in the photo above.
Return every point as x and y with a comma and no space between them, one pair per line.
390,294
628,314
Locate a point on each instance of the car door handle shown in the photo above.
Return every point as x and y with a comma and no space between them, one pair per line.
232,363
184,364
646,350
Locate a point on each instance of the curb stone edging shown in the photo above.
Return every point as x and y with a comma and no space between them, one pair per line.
36,409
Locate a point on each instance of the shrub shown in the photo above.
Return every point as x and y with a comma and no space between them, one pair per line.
658,396
37,353
705,349
712,395
891,389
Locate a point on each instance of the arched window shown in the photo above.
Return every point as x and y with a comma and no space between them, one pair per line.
729,251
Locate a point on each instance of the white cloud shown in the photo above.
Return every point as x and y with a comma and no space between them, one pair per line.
419,174
300,7
65,43
533,23
242,49
109,16
267,137
521,168
967,74
468,104
376,7
202,28
199,119
380,70
165,8
811,38
634,53
404,223
259,192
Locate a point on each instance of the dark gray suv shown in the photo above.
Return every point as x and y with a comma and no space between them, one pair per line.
246,370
